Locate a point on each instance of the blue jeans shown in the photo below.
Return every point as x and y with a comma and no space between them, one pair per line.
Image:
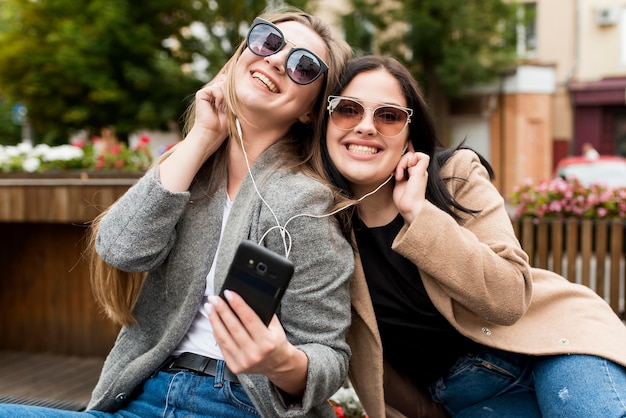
499,384
171,395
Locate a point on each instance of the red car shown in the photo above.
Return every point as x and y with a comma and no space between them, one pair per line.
607,169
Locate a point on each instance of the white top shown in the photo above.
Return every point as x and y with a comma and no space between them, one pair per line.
199,338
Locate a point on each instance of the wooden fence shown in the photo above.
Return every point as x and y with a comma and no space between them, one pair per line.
590,252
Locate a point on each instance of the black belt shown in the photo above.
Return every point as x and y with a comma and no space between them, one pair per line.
196,363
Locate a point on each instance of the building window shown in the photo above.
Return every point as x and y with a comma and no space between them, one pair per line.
622,29
527,30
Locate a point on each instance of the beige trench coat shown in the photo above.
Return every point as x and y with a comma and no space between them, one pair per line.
478,277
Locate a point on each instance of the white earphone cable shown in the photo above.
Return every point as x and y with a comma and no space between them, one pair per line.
283,231
283,228
342,208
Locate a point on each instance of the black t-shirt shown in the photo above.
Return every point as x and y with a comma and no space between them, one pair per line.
417,339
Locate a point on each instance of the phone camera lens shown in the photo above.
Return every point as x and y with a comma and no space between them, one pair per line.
261,268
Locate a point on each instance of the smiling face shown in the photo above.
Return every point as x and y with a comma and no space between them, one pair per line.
363,156
264,88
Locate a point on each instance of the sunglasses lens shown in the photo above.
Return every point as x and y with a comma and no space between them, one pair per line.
264,40
389,120
347,113
303,67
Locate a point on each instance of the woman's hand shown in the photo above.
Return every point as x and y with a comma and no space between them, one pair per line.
249,346
409,194
209,131
210,110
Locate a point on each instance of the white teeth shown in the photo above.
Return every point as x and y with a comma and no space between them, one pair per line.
362,149
270,86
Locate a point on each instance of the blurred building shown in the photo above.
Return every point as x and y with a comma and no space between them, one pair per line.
568,88
597,85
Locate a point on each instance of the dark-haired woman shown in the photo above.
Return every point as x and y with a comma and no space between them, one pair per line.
449,317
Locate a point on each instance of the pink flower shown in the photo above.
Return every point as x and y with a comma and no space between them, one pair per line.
555,206
100,162
561,198
142,143
80,143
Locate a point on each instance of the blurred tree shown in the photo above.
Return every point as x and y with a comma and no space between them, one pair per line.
448,45
10,132
79,64
457,42
225,28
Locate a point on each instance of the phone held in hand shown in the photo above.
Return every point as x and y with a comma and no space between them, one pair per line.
260,277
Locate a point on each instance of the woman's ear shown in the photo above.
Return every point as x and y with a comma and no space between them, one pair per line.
306,118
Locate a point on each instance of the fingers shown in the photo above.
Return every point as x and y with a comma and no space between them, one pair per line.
403,165
421,166
242,310
409,192
213,93
230,317
227,330
210,109
236,328
248,346
412,164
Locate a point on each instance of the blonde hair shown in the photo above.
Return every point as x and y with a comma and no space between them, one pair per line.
115,290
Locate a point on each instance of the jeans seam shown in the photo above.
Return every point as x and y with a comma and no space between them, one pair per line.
615,390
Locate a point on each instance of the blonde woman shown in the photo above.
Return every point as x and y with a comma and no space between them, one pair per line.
246,170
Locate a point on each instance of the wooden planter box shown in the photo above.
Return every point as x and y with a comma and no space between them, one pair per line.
46,304
63,197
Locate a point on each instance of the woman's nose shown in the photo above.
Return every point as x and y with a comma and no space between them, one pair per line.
277,60
366,124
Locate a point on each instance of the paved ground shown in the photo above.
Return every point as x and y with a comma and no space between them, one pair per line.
42,379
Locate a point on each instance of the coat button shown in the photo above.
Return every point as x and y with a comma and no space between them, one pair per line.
121,397
486,331
564,341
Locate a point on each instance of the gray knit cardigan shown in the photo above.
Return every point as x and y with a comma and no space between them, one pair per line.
174,236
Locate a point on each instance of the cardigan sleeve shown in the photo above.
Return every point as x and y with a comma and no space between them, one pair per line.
138,230
478,262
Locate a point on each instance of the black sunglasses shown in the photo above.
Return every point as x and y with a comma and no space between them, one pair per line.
302,66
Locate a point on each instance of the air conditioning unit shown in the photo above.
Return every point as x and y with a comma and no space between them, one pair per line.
607,15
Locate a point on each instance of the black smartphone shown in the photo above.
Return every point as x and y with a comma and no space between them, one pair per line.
260,276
